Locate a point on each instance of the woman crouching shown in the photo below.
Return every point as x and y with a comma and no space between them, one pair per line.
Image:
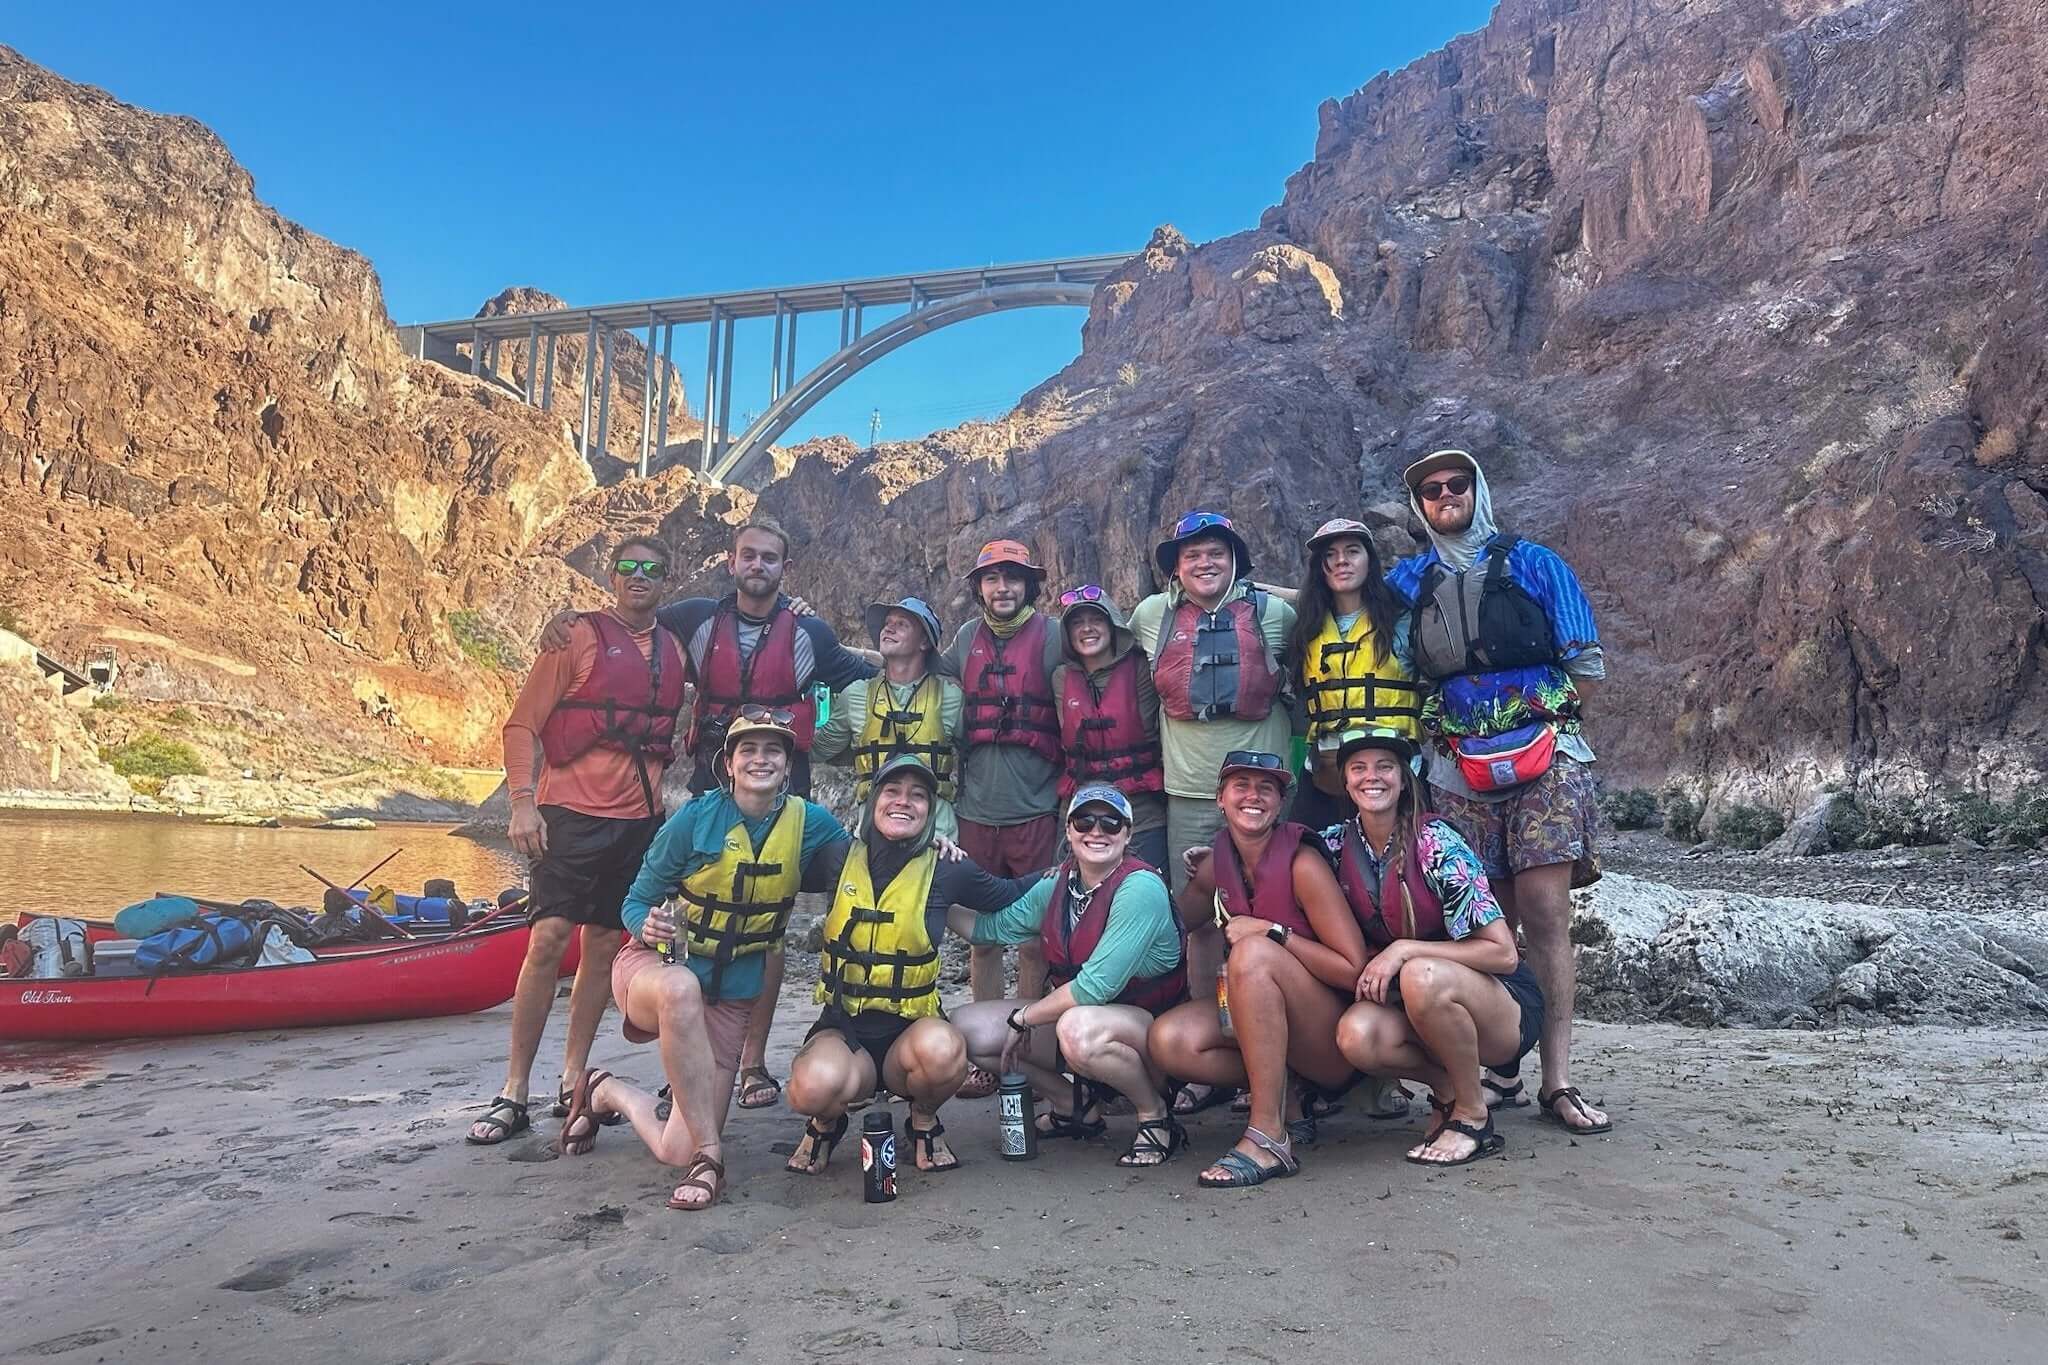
1444,990
1295,955
879,975
1113,961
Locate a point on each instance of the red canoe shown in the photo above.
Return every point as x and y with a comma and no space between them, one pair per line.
99,931
456,975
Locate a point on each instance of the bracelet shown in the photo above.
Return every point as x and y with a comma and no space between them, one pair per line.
1016,1027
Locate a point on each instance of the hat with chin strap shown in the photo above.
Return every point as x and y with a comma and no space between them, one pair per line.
878,615
1194,526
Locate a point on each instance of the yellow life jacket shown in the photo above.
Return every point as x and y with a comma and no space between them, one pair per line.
1346,688
739,903
919,728
877,955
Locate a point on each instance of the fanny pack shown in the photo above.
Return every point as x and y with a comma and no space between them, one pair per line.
1501,762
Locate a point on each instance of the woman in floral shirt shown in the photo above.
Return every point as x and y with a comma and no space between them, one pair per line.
1444,990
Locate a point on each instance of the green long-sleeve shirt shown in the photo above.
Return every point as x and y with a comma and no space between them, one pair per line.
837,737
1141,939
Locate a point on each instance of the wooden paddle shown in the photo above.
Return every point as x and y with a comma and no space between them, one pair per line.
367,908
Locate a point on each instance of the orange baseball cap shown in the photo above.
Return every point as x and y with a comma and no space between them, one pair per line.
1005,552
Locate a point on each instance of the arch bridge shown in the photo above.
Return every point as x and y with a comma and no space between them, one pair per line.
931,300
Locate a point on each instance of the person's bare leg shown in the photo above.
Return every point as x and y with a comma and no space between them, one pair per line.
1107,1043
754,1051
1283,1017
1543,900
588,998
828,1075
670,1002
532,999
985,971
985,1030
1030,970
1460,1015
927,1065
1187,1043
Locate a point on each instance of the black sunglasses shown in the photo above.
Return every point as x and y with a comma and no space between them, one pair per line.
1087,822
772,716
1455,486
655,569
1252,758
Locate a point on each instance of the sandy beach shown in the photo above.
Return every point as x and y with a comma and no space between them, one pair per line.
1767,1196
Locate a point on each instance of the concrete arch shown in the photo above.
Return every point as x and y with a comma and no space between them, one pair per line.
752,444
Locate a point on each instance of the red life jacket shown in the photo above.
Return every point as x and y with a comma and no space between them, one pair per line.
726,682
1216,664
627,702
1064,956
1272,885
1008,692
1408,909
1104,737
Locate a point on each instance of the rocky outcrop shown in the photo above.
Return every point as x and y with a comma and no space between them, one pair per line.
217,463
1711,958
1742,304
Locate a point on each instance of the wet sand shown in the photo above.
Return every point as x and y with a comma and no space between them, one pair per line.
1767,1196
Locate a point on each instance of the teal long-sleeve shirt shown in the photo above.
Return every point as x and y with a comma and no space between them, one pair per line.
694,836
1142,937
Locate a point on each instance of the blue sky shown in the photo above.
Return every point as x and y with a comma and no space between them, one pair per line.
464,148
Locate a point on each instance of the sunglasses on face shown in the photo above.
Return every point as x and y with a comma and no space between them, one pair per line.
774,716
1200,521
1456,486
1087,592
1088,822
655,569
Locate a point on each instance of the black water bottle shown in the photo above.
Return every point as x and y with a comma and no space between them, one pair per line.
878,1154
1014,1119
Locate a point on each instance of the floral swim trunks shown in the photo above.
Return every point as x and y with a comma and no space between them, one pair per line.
1552,820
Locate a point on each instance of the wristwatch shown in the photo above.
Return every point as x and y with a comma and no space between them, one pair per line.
1279,934
1016,1027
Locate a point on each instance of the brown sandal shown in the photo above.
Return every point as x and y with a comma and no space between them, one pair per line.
582,1110
756,1088
693,1179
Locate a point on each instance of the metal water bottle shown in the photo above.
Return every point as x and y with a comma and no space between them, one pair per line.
878,1155
1019,1135
1223,999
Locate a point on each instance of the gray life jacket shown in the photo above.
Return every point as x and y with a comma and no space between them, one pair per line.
1477,620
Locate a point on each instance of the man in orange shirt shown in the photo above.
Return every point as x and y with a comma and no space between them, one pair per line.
584,750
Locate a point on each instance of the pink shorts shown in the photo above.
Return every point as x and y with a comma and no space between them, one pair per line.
725,1022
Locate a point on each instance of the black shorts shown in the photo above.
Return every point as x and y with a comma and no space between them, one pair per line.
589,866
1521,985
872,1031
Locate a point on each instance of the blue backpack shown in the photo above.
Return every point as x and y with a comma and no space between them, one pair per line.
208,941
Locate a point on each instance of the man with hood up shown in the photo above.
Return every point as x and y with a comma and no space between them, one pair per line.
1109,716
1500,625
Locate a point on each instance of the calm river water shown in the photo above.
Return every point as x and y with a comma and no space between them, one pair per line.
92,865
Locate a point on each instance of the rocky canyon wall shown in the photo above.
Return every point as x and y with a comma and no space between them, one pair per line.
1742,305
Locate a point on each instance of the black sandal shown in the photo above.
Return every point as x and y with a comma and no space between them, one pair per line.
1548,1098
753,1081
1073,1125
1212,1096
1504,1096
502,1128
920,1140
1485,1142
1145,1143
823,1142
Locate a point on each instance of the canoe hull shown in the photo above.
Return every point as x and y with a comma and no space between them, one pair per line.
456,975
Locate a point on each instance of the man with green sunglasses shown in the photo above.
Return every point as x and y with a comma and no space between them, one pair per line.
585,749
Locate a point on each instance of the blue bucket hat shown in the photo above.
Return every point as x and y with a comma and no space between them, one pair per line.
1196,524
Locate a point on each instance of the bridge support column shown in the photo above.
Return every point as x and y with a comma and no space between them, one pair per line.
705,454
789,356
604,396
476,350
858,333
775,357
589,384
725,384
647,396
532,360
668,369
845,319
547,383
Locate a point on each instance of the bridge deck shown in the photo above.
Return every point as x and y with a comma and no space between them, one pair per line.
873,291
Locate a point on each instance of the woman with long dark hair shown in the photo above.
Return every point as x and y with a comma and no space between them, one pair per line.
1345,656
1444,989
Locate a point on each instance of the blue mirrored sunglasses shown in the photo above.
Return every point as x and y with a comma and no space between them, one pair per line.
1201,521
